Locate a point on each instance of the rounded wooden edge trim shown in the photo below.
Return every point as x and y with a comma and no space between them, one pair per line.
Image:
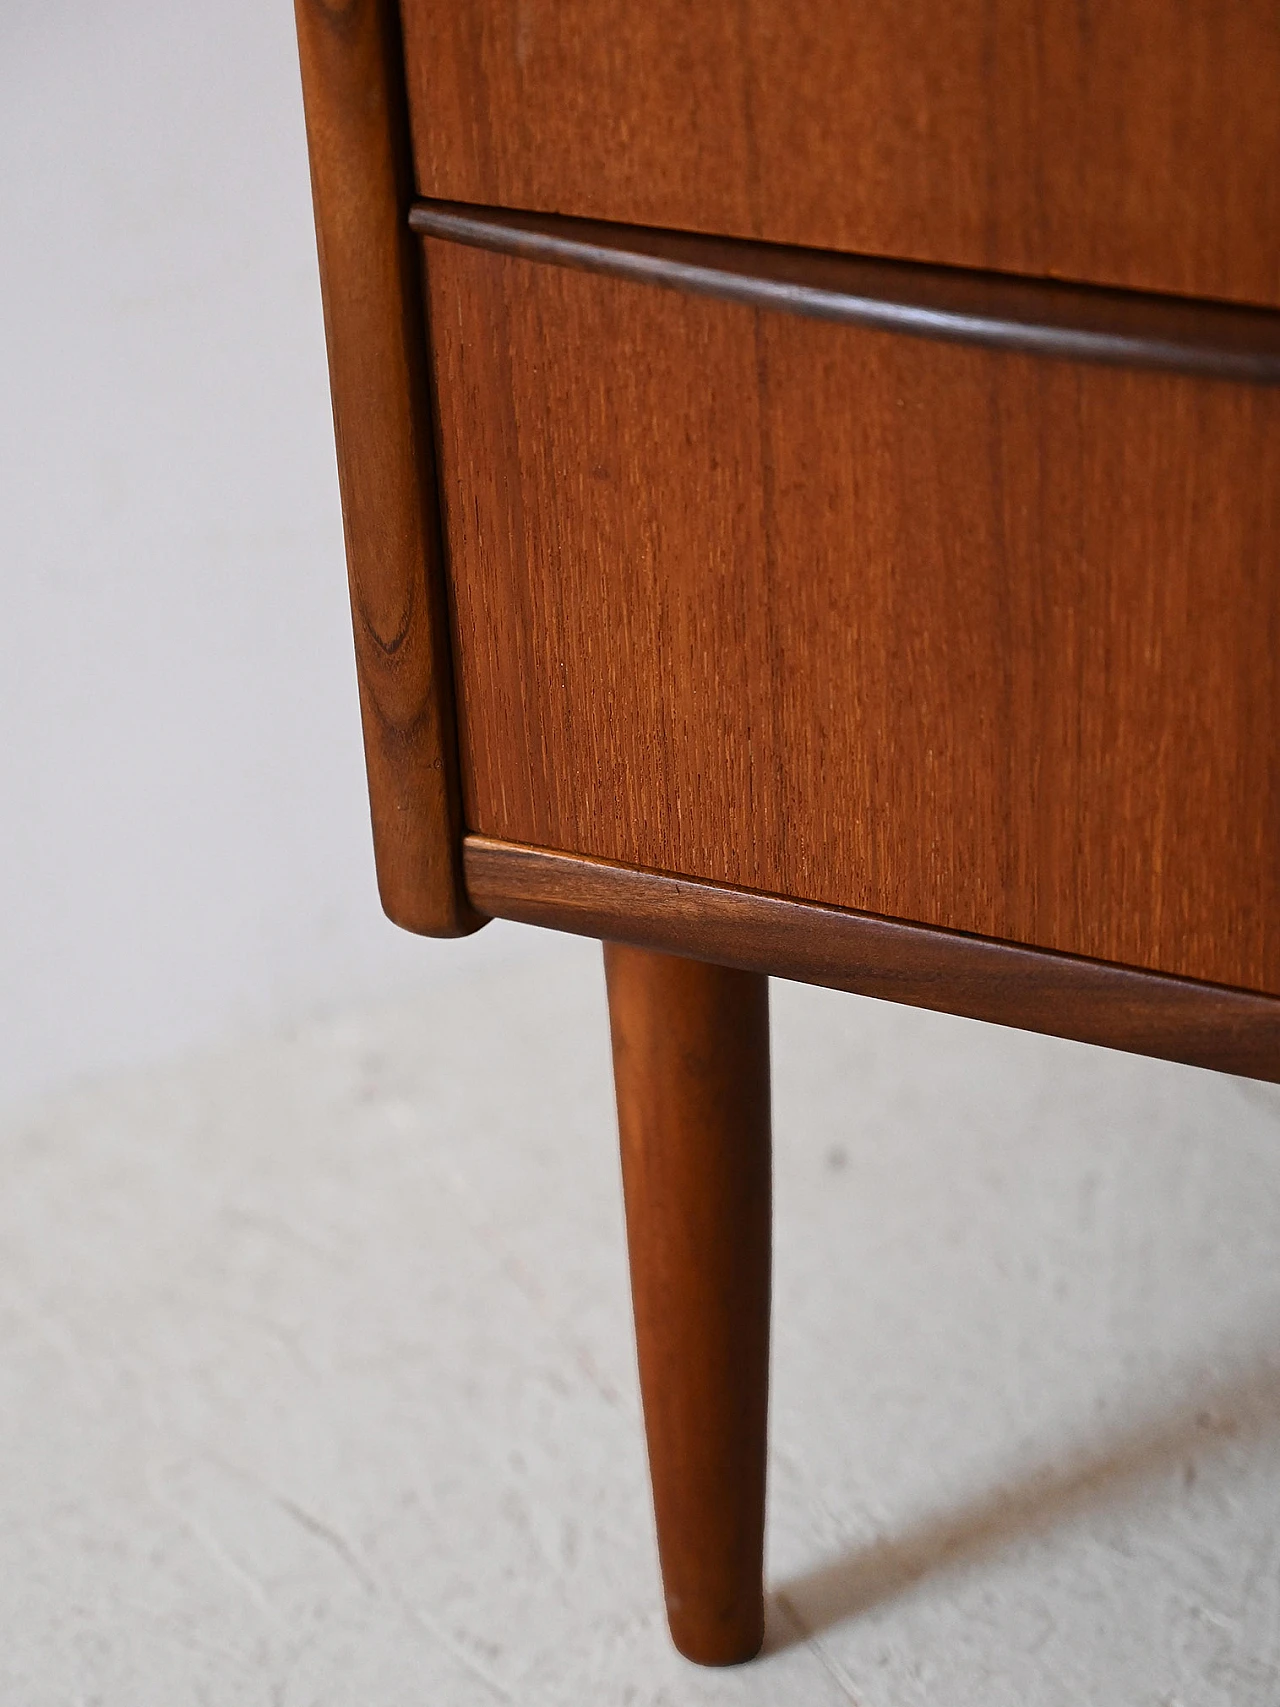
361,177
1062,995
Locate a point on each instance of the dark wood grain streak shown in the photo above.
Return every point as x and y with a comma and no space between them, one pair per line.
691,1072
1204,1025
1123,142
352,79
1073,322
936,632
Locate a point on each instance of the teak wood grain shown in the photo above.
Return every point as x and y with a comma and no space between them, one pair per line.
968,638
1127,142
1175,1019
353,89
691,1071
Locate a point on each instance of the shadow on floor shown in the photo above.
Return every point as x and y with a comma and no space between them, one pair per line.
1248,1406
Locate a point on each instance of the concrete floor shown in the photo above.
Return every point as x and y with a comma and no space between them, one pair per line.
318,1380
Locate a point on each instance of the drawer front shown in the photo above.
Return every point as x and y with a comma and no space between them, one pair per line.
1127,142
983,640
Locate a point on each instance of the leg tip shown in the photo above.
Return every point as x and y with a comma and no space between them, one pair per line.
711,1641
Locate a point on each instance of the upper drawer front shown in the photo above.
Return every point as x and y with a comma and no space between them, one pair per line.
1126,142
989,641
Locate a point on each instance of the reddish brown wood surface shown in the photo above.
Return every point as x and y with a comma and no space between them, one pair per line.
978,640
1175,1019
1128,142
691,1070
352,80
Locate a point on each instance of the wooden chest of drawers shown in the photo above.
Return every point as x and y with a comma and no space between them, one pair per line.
812,488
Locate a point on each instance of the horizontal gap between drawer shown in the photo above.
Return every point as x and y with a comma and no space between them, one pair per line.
1038,317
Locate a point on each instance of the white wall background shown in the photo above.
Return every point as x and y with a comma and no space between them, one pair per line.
184,844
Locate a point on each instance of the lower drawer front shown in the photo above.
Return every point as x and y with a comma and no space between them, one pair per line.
981,640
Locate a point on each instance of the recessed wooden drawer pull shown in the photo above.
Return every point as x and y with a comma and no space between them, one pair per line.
1036,316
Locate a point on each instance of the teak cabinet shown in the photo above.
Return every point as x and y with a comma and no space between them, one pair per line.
811,478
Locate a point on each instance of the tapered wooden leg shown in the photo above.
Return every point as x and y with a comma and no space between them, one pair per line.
691,1070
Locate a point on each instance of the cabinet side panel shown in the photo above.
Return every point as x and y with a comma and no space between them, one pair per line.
352,80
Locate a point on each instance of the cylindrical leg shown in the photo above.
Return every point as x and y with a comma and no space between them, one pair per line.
691,1070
